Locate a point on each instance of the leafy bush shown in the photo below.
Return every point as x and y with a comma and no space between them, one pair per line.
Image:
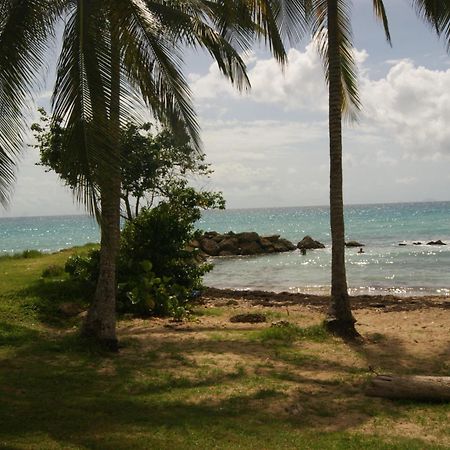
84,268
31,254
53,271
157,273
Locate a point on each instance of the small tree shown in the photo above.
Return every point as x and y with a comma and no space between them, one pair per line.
154,166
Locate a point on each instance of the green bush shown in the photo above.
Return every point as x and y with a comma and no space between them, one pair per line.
84,268
157,274
53,271
31,254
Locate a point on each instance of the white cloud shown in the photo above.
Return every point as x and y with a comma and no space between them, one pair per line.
412,105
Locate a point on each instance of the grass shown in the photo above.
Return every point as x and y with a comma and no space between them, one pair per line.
231,388
287,332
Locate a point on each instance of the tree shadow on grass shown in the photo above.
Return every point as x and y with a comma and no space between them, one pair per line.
57,302
74,397
15,335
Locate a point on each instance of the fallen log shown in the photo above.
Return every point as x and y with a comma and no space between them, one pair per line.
410,387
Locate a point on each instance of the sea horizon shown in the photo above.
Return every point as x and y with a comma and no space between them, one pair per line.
250,208
384,268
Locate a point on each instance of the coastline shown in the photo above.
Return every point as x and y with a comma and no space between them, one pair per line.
384,303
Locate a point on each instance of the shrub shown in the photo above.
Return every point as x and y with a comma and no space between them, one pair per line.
157,274
31,254
53,271
84,268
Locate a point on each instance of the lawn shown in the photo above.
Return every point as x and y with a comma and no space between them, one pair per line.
206,383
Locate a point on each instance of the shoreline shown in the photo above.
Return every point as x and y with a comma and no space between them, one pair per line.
321,302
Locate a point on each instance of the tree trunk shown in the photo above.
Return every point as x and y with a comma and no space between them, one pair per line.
100,323
340,319
126,200
411,387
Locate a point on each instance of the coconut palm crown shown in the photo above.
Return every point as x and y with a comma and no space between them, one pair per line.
118,56
330,24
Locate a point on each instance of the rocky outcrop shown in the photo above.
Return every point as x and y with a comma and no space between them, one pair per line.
354,244
212,243
308,243
438,242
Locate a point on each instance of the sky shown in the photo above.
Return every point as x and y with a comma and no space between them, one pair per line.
269,147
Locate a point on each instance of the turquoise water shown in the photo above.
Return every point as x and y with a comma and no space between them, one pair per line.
385,267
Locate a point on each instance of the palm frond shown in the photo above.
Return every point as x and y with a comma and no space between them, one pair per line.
151,63
80,97
380,14
26,29
437,14
317,16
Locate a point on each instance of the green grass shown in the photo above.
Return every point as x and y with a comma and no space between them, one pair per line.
288,332
226,389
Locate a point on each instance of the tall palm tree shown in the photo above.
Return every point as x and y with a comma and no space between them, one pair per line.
330,23
117,56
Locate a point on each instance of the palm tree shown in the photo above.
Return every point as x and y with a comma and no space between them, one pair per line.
330,23
117,56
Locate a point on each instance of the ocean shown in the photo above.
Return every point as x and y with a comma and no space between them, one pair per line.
384,268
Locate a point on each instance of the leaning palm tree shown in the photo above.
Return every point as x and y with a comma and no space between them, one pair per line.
330,23
117,57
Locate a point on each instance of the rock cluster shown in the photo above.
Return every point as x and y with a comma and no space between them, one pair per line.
308,243
212,243
438,242
354,244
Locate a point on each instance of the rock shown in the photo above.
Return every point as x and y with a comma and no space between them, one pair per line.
209,246
210,234
248,236
267,245
417,243
250,248
438,242
229,244
246,243
402,244
283,245
309,243
248,318
354,244
226,253
272,238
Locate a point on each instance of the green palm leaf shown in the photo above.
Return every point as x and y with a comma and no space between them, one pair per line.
26,28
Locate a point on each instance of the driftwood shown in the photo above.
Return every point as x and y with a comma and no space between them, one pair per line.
410,387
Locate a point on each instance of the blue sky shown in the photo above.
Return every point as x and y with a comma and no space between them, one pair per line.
270,147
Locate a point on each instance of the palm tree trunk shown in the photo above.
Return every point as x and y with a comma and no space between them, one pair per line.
100,323
340,319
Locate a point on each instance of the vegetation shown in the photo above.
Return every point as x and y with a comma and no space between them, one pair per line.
115,57
157,271
154,166
210,385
